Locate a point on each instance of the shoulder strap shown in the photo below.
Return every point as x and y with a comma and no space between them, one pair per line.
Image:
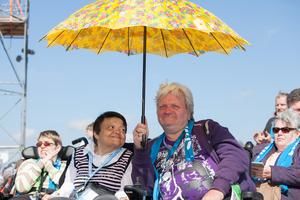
63,175
207,141
206,127
43,178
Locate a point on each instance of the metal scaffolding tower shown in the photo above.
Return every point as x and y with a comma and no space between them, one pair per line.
14,19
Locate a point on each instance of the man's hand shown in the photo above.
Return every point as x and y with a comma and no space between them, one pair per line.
262,137
213,194
139,131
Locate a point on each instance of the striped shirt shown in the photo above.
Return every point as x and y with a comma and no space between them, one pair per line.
108,176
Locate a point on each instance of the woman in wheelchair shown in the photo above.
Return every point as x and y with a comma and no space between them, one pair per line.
39,176
101,168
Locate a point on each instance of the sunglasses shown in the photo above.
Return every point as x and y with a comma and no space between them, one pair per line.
283,129
46,144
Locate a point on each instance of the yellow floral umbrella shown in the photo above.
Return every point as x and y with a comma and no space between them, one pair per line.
161,27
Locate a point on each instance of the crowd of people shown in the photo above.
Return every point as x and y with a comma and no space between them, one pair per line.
191,159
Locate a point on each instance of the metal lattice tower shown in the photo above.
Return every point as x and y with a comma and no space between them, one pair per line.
14,19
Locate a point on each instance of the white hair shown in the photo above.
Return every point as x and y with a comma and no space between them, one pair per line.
290,117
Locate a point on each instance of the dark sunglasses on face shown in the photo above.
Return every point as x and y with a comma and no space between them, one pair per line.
46,144
283,129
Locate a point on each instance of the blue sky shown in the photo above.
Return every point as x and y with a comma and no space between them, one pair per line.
67,90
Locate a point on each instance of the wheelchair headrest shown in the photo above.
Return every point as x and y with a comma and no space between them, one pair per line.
31,152
80,141
66,152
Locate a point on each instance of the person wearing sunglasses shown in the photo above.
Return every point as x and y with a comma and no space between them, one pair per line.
41,176
278,176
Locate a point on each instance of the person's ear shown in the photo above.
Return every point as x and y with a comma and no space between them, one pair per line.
58,147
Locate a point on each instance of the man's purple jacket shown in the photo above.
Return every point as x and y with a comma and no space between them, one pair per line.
233,161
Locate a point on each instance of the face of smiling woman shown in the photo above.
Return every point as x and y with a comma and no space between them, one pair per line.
283,139
112,135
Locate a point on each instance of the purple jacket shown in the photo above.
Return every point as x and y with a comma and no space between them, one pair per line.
289,176
233,160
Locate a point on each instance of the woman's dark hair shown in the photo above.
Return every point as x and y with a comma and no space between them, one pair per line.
100,119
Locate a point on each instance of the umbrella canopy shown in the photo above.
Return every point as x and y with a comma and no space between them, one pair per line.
161,27
173,27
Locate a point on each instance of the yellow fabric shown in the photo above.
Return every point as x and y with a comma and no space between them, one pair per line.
173,27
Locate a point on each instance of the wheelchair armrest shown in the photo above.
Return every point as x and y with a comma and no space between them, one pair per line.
247,195
136,192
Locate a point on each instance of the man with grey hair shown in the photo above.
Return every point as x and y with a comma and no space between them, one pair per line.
293,100
191,159
280,106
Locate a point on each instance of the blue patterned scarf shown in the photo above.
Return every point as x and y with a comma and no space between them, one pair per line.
189,154
52,185
285,159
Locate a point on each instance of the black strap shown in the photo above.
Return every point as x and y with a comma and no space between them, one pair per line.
208,140
43,178
63,175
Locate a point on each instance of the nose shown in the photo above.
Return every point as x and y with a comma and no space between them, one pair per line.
167,109
120,131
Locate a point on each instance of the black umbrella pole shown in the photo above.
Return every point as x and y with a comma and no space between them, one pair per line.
143,118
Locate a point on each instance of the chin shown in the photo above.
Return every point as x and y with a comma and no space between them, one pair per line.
281,143
167,124
117,144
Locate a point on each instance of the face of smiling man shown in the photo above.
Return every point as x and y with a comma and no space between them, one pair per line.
173,115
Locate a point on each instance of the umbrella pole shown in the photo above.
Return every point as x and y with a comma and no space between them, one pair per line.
143,118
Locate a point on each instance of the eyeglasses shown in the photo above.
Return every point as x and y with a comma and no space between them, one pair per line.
283,129
46,144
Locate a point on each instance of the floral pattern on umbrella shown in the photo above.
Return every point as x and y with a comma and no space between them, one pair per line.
173,27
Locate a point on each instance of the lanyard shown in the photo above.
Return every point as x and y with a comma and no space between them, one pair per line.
189,154
105,162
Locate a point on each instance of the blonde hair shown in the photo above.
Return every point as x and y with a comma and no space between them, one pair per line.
177,90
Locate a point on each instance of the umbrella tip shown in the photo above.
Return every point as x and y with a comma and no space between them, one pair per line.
42,38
